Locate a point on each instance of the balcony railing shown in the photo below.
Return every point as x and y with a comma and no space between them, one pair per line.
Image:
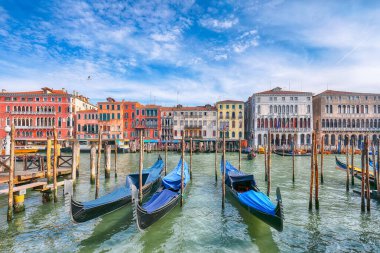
32,113
351,129
193,127
34,127
284,130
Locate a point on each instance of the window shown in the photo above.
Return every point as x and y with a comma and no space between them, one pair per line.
59,99
227,106
240,106
45,99
204,133
52,99
233,106
37,99
220,106
100,107
283,98
118,107
118,116
126,115
113,107
8,108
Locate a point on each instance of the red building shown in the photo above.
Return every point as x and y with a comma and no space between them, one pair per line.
129,116
148,120
35,113
87,124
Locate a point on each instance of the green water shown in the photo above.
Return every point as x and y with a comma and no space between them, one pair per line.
201,225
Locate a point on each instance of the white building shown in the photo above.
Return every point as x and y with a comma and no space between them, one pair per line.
198,122
285,113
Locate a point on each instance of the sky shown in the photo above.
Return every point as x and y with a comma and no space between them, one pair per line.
189,52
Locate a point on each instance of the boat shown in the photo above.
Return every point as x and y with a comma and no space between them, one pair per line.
357,171
243,188
121,196
20,150
286,153
165,199
251,155
373,194
261,150
371,164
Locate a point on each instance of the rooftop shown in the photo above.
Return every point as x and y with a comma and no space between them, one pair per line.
279,91
335,92
229,101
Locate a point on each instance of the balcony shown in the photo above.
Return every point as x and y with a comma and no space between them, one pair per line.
34,127
32,113
193,127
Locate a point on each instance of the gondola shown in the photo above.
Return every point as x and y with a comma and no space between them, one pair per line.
164,200
251,155
244,189
121,196
357,171
281,153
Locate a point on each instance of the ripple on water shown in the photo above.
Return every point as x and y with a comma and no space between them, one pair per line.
201,225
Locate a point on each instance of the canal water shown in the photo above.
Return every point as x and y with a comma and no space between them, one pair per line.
201,225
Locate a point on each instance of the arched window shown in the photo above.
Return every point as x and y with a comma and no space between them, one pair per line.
271,109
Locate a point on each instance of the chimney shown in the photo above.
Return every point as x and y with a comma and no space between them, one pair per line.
3,90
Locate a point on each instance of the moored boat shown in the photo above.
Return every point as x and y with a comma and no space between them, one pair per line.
243,188
165,199
357,171
19,150
286,153
121,196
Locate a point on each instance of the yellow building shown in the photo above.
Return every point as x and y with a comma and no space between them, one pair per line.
231,118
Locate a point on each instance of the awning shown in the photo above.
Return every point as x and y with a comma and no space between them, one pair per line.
150,141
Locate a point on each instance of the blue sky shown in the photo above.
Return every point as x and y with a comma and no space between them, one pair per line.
193,52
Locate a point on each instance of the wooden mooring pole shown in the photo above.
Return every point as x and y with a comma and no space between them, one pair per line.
11,174
352,160
348,166
224,169
266,159
239,154
107,161
216,157
55,164
191,158
93,163
293,158
115,165
269,161
182,167
374,163
98,162
48,160
74,161
141,165
322,155
77,163
362,181
378,168
368,187
316,173
166,156
311,173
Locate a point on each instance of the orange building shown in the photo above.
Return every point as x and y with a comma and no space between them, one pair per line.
110,119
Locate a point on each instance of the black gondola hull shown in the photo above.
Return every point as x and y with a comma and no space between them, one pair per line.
79,214
145,219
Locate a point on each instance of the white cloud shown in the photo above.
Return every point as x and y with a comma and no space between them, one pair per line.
217,24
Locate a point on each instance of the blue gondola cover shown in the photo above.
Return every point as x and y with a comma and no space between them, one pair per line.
173,179
159,199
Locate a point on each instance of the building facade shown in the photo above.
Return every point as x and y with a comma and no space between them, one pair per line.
167,114
287,114
340,113
148,121
197,122
231,119
36,113
87,124
110,119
